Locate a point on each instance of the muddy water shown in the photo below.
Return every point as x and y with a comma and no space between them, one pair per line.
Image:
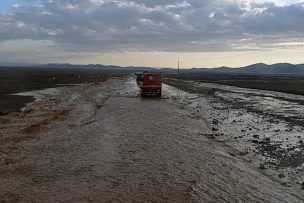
103,143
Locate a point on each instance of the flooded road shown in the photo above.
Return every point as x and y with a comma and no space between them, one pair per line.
103,143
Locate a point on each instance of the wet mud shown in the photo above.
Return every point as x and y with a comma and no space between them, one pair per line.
104,143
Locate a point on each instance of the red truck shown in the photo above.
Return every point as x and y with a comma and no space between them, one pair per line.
150,83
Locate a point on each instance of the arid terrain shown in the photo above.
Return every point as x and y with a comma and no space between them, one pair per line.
101,142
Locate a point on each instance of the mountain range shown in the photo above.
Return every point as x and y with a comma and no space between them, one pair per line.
255,69
258,69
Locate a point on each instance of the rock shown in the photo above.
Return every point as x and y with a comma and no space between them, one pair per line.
284,183
267,139
262,166
214,129
215,122
231,154
243,153
255,141
277,130
211,136
262,142
256,136
281,175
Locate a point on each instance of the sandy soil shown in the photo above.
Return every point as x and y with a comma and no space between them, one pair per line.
102,143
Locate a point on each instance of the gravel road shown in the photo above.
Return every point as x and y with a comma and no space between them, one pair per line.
102,143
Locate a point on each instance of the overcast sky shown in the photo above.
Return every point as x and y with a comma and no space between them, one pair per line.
199,33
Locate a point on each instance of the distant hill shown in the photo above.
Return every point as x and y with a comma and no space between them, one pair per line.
255,69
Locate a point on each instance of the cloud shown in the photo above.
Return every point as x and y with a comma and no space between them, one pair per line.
156,25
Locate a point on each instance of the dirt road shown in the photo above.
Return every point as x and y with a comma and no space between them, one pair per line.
102,143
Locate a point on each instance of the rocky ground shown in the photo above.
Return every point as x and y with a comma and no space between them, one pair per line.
269,126
101,142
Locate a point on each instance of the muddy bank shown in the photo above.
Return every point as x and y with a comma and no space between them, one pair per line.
14,80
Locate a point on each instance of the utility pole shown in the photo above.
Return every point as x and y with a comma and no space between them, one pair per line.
178,70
